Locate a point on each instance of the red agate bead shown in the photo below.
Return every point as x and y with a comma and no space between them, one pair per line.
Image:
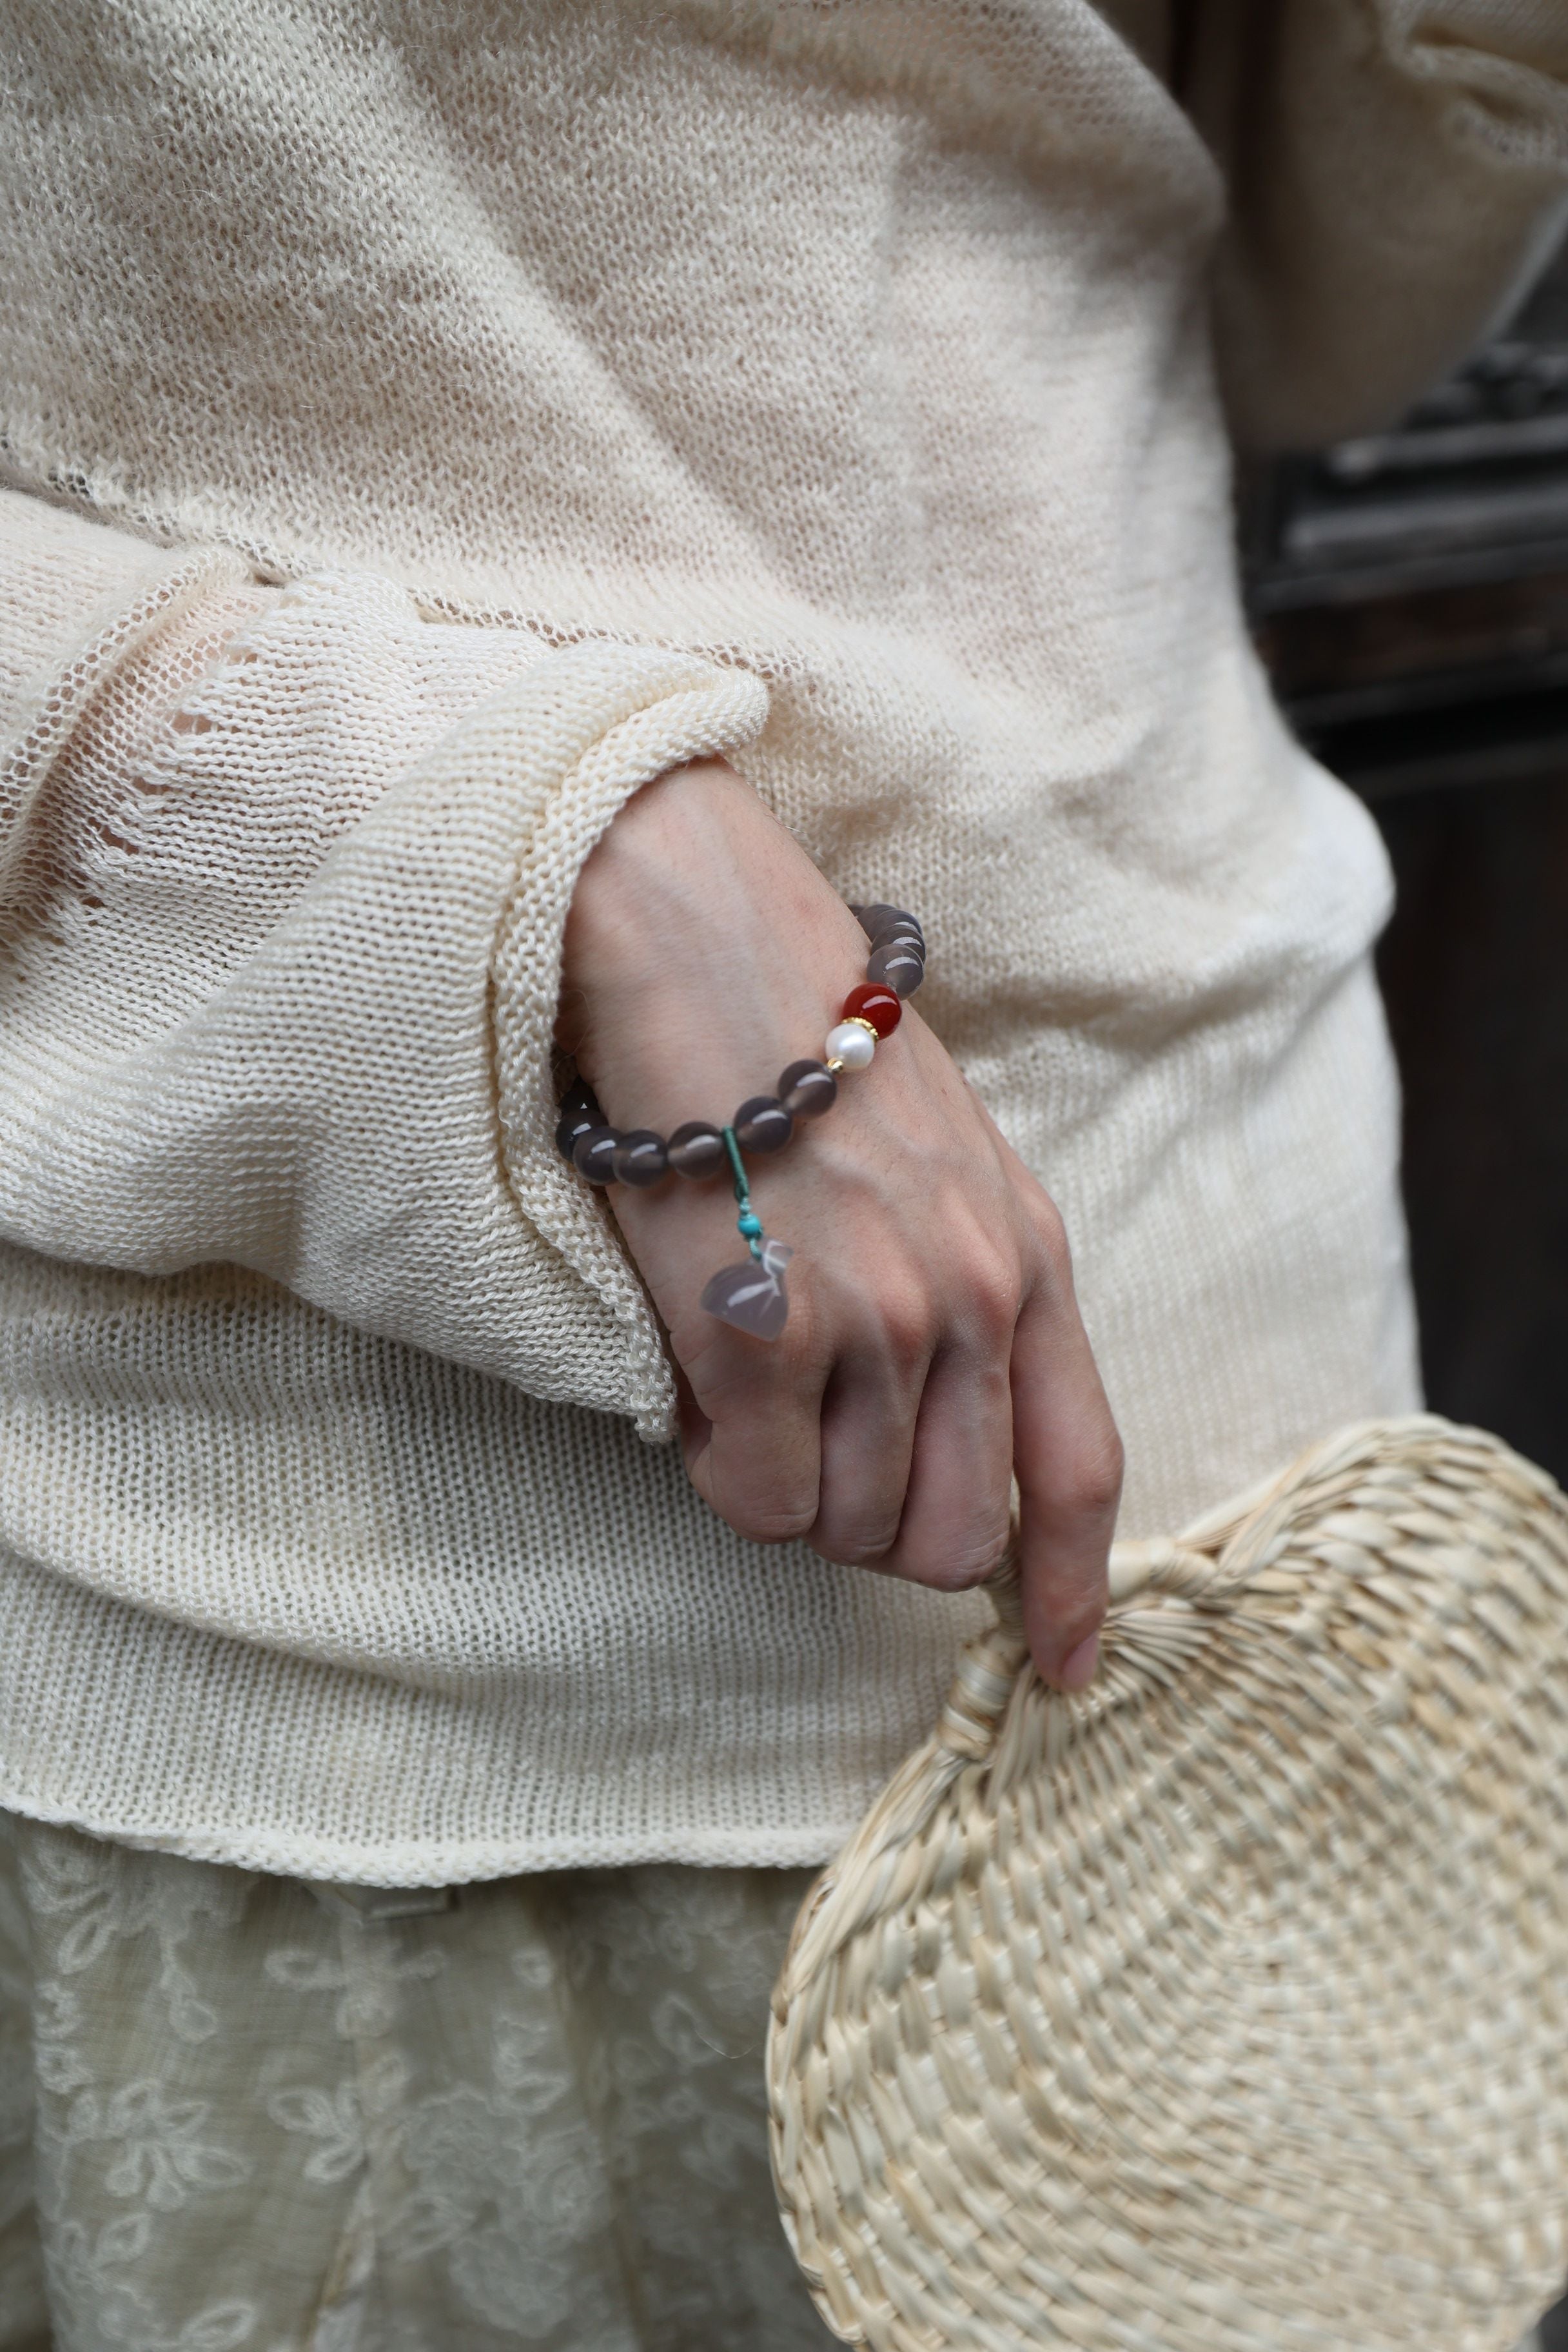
874,1001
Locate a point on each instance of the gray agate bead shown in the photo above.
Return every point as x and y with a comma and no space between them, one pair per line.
900,935
898,968
593,1154
579,1111
573,1124
806,1089
697,1150
763,1124
876,919
641,1157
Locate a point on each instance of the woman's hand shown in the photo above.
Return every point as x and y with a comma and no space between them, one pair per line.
933,1349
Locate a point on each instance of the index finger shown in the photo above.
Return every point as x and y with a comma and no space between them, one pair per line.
1067,1458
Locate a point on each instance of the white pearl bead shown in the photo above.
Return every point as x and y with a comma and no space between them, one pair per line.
851,1045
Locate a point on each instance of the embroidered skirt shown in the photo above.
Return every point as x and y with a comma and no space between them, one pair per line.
239,2113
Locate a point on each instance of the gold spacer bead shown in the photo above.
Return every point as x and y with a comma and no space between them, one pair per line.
834,1067
859,1022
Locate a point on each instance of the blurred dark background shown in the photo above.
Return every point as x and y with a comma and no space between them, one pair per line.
1410,595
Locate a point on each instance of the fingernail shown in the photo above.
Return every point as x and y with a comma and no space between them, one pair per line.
1078,1668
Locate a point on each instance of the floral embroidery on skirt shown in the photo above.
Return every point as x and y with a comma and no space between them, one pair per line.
239,2113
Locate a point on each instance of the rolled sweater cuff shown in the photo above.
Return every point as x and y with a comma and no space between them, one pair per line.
287,998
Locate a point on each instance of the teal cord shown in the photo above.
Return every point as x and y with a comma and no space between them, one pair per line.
750,1223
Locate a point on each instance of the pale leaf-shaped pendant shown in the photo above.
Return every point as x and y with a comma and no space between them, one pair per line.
751,1295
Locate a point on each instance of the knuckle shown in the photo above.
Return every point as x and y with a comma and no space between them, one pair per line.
799,1359
1052,1234
761,1521
904,1322
950,1554
959,1567
1090,1482
866,1547
808,1337
991,1296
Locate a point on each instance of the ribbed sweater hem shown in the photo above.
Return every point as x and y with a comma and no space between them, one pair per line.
136,1728
246,1847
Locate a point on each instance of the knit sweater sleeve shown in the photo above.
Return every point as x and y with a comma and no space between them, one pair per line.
1396,169
284,873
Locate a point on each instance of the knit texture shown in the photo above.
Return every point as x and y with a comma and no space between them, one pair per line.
471,412
218,874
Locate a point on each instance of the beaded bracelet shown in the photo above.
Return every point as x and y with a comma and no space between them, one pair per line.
751,1295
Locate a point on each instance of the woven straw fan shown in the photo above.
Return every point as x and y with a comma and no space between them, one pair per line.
1224,2008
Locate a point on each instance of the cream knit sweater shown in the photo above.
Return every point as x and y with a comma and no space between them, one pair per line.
426,423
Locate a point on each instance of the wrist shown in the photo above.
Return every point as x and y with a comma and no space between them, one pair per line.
702,951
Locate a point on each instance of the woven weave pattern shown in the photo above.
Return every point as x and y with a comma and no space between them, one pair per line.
1227,2005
